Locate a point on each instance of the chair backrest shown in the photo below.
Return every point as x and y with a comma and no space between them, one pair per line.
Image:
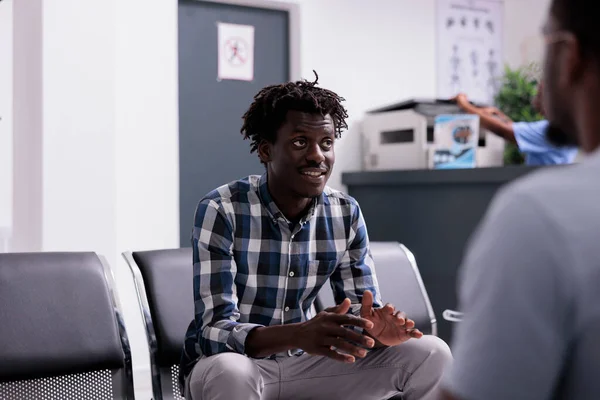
400,284
163,281
61,332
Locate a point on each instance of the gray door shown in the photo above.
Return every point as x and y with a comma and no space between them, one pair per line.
212,151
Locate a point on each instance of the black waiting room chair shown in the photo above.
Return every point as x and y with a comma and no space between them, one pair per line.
61,332
163,282
400,284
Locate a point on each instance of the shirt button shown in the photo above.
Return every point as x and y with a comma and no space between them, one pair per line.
291,273
286,309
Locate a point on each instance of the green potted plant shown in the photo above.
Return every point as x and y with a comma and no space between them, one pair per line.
519,87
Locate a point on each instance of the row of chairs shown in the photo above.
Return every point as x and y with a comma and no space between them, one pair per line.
62,334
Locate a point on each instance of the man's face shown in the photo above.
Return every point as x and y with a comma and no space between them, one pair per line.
558,97
302,157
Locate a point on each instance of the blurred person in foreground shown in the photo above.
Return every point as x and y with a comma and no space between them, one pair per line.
530,283
263,246
530,137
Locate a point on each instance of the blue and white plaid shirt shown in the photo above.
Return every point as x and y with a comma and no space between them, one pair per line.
253,268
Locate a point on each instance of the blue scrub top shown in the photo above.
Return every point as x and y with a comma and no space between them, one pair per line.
531,139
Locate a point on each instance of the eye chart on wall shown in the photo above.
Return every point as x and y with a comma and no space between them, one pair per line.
469,48
6,93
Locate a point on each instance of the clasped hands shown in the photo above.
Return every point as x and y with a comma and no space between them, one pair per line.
326,335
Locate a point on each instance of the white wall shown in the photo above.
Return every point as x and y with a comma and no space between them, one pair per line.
147,125
27,126
523,42
79,190
6,118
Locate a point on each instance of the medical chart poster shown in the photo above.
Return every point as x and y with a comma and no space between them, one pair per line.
469,52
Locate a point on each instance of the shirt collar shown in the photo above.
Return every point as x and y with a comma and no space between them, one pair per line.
267,200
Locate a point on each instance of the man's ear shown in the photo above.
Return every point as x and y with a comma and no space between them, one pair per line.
264,151
572,60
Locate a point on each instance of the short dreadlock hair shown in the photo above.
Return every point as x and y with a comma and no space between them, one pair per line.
270,106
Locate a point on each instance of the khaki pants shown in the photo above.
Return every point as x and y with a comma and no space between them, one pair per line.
414,369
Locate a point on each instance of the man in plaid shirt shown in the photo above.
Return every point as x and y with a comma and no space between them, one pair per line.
265,245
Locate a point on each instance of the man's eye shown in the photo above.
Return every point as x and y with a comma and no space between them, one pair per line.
327,144
299,142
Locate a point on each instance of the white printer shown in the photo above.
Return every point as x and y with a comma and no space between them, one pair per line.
400,136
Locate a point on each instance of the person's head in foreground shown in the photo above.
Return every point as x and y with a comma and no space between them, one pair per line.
572,73
293,127
529,282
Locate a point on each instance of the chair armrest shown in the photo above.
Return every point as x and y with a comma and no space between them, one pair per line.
452,316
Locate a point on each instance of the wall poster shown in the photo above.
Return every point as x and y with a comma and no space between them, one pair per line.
469,48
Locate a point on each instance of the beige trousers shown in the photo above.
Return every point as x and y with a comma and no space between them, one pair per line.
413,369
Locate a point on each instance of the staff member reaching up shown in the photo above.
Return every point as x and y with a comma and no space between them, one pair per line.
530,137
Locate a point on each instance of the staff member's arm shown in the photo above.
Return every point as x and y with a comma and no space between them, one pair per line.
490,118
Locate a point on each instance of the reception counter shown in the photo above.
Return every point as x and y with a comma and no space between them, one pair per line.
432,212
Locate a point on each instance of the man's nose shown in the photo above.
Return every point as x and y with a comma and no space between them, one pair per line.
315,154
